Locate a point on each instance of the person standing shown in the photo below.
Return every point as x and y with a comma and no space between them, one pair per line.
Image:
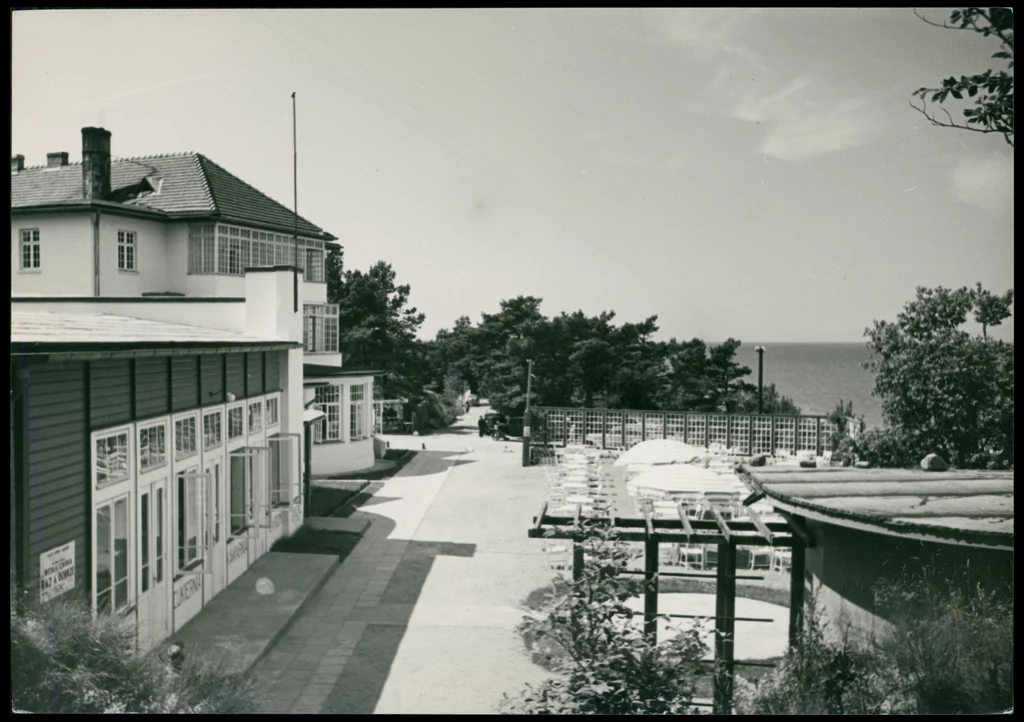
482,425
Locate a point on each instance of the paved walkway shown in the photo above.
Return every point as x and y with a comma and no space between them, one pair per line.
420,617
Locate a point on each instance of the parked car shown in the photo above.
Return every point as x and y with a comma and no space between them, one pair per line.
509,428
491,421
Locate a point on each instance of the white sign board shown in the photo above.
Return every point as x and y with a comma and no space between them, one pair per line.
57,571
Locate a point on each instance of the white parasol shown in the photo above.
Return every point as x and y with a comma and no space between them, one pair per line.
660,451
686,478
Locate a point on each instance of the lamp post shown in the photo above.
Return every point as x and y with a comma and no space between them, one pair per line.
760,379
526,419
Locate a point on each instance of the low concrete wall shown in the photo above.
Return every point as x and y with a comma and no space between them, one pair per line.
845,565
342,457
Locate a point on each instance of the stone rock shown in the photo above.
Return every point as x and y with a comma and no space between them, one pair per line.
264,586
760,460
934,462
808,464
863,465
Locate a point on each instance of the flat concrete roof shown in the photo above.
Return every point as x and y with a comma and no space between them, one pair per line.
45,331
965,507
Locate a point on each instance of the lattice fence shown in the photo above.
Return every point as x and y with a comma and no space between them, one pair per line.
743,433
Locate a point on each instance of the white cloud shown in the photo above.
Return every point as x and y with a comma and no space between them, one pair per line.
798,127
984,182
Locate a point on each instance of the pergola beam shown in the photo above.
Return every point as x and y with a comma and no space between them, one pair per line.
722,525
673,536
756,518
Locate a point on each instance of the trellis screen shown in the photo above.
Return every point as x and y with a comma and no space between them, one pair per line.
741,433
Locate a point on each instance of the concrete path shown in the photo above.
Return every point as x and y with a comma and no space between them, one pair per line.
420,617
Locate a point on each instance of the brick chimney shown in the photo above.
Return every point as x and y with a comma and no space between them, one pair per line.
95,164
56,160
17,164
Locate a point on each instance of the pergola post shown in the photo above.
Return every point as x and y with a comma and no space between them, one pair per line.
725,628
796,591
651,592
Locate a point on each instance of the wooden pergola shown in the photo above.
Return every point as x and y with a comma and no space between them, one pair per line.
728,535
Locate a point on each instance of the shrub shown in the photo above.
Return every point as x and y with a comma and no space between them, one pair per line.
821,677
953,641
609,665
949,650
64,661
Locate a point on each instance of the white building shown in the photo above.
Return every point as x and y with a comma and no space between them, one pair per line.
166,343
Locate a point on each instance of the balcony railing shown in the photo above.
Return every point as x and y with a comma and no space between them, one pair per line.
320,328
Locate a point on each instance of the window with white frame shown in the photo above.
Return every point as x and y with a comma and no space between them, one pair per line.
202,247
357,412
236,423
328,400
112,458
112,575
314,265
255,417
189,520
212,429
30,260
282,458
238,495
229,250
320,327
126,251
273,411
152,446
232,250
185,437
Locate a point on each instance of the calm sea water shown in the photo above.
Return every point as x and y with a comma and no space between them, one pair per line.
817,375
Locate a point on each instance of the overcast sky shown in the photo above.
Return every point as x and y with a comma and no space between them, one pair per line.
748,173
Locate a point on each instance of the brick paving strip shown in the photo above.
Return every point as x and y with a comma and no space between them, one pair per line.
305,666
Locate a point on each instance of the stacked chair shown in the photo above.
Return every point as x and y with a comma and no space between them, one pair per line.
580,478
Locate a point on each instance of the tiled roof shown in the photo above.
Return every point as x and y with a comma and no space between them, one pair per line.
190,184
958,506
73,329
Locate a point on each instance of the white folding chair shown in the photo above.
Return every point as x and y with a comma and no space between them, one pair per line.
765,554
782,560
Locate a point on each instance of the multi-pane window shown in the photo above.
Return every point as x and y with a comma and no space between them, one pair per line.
184,437
314,265
126,251
321,328
30,249
212,430
202,246
112,571
152,447
282,251
236,423
328,400
112,459
272,411
189,520
357,412
229,250
255,417
232,255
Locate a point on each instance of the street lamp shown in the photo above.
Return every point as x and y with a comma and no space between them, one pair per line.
760,378
526,419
